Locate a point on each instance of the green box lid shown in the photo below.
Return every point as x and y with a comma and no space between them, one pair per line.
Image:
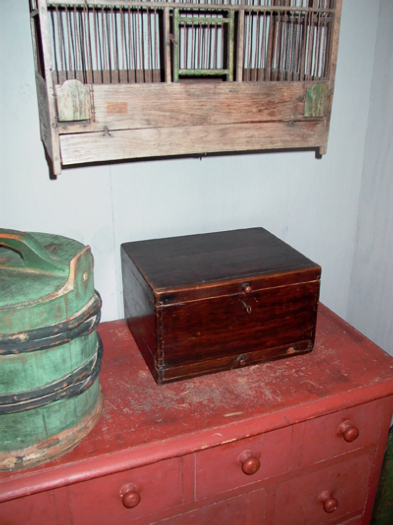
44,279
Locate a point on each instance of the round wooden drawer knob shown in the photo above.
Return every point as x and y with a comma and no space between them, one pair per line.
131,499
349,431
250,465
247,289
330,504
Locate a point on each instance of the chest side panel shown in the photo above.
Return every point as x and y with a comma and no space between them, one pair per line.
139,311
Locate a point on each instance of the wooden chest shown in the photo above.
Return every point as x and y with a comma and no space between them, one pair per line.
204,303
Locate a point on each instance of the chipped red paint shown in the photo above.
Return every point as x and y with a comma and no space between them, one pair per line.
155,436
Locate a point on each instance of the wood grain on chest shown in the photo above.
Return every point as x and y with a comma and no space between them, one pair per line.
203,303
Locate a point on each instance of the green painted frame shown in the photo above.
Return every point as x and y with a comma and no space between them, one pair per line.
177,21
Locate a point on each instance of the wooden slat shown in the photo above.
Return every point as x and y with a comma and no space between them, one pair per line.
108,77
172,105
332,68
47,103
176,36
167,47
240,47
334,42
230,46
140,143
45,128
184,5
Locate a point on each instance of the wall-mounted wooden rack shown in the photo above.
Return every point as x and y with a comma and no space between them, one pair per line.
126,79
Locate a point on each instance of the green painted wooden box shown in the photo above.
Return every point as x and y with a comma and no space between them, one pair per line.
50,352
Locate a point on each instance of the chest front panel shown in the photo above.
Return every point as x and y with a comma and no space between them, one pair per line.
240,329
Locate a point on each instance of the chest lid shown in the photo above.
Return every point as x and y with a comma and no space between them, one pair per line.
44,279
197,266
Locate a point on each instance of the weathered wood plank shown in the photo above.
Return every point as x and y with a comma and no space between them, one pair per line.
332,68
52,129
180,105
185,5
45,120
167,46
317,101
334,42
73,101
240,46
124,144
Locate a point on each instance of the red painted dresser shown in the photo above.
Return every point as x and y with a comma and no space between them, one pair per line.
296,441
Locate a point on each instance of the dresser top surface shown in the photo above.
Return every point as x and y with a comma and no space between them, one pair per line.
143,422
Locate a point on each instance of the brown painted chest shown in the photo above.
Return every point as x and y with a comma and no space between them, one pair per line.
205,303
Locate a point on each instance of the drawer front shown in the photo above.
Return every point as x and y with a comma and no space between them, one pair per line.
359,520
237,324
241,463
304,497
102,500
341,432
30,510
244,509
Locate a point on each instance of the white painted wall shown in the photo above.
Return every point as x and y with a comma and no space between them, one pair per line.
311,204
370,304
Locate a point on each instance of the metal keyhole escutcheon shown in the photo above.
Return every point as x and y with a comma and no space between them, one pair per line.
247,307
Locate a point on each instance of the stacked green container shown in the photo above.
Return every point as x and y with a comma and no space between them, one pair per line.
50,352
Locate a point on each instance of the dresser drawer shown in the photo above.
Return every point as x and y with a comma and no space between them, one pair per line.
344,431
244,509
30,510
243,462
103,500
311,499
